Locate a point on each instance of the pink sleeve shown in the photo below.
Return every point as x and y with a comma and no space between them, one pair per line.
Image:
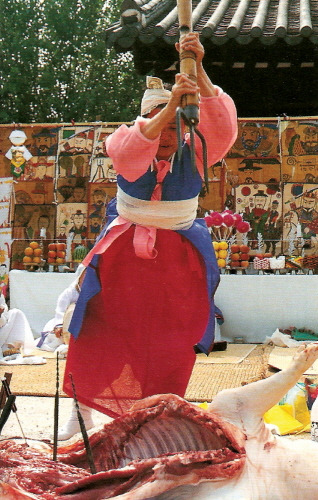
131,151
218,124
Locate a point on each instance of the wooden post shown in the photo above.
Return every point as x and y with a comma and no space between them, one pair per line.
3,395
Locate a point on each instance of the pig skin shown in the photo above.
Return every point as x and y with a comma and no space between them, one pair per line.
274,468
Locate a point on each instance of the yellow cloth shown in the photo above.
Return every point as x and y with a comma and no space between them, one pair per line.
281,416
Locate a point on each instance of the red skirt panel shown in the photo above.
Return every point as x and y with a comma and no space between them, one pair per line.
138,333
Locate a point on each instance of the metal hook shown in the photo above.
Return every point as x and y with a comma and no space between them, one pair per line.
189,115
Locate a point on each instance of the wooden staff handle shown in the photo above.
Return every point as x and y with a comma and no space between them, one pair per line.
187,58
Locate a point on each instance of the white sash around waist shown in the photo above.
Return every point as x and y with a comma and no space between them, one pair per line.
172,215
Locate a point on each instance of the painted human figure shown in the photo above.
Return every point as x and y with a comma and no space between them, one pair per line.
78,230
18,154
44,143
78,194
307,214
257,216
273,228
81,144
43,222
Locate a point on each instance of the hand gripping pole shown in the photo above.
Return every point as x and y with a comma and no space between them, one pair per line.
189,110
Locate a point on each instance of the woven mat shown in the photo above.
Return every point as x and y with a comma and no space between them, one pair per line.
281,357
205,382
35,380
209,379
235,353
43,354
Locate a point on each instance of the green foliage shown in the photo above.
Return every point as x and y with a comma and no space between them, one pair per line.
54,65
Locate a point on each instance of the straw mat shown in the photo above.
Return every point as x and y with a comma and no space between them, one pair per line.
205,382
234,353
35,380
209,379
280,358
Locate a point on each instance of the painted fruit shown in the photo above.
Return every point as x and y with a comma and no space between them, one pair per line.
37,252
58,260
60,246
215,245
235,256
223,245
34,244
52,246
260,255
60,254
51,254
244,263
221,263
222,254
37,260
51,260
27,259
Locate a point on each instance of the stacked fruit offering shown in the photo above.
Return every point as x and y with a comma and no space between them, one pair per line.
221,249
33,253
239,256
56,253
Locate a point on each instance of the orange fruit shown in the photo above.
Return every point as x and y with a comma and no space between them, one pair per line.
37,252
235,248
215,245
34,244
222,254
28,251
59,260
37,260
27,259
223,245
221,263
235,256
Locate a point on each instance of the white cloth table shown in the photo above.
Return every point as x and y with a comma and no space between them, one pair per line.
255,305
36,294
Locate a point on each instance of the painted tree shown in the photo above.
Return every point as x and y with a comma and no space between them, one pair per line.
55,67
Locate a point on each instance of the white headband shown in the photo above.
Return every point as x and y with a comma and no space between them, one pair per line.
155,95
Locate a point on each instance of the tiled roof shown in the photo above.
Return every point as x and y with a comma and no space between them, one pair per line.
217,21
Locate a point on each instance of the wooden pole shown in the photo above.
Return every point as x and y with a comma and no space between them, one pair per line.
187,58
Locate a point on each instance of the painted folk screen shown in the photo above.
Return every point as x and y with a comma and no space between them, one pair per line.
56,181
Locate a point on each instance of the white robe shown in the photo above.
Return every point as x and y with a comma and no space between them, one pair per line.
14,327
66,298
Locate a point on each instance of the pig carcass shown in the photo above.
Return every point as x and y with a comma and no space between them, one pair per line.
168,449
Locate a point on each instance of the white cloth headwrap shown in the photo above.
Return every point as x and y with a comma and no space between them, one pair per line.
155,95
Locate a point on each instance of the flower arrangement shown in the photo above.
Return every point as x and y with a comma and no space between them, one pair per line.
224,225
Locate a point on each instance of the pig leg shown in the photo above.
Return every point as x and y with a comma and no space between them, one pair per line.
245,406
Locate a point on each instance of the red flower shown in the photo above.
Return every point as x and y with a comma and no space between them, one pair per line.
228,219
243,227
